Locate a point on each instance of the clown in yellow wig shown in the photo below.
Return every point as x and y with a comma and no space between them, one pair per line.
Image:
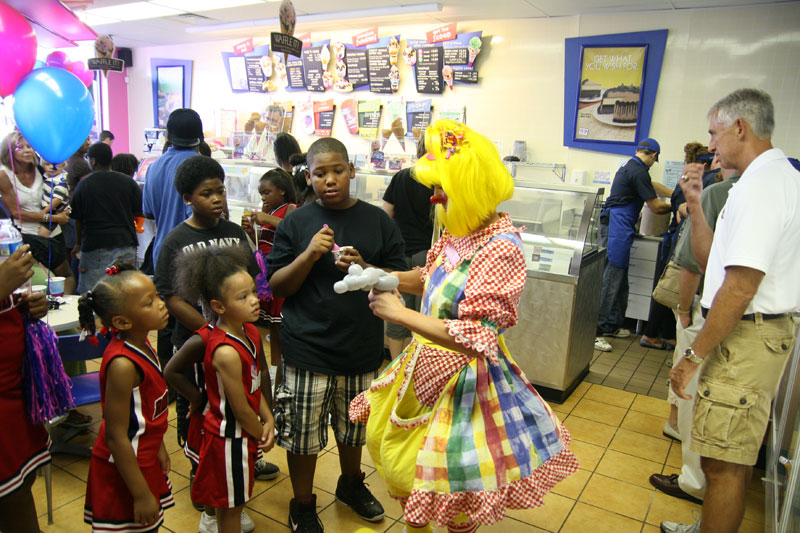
474,182
455,428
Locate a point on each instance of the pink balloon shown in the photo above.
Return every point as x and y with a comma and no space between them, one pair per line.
18,43
58,59
84,74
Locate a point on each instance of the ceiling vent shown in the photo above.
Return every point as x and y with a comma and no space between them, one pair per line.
191,19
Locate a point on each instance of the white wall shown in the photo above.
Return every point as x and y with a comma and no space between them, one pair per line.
520,94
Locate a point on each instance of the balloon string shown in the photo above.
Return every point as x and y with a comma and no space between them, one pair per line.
50,225
14,175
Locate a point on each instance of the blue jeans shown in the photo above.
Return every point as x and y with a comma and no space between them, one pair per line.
93,264
613,299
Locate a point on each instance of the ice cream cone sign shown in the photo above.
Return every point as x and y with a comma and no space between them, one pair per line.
324,56
394,50
288,19
474,49
104,49
447,74
410,56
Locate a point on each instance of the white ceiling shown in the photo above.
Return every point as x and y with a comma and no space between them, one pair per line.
243,22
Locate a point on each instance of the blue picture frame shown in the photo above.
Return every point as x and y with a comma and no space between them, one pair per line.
170,65
655,45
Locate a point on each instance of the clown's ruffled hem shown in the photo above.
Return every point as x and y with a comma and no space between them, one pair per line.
359,409
488,508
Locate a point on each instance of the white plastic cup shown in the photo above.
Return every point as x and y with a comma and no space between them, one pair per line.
39,288
56,286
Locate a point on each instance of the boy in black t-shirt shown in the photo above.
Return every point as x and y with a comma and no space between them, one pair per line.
332,343
200,182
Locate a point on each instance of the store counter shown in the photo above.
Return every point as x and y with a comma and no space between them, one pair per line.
553,341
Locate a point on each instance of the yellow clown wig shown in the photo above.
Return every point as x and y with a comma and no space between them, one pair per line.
467,167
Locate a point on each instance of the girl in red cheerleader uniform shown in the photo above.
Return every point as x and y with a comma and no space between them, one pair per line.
128,488
279,198
238,421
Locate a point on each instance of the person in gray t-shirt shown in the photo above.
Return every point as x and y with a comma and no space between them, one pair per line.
690,484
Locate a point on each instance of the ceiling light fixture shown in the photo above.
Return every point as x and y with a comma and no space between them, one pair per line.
319,17
195,6
133,11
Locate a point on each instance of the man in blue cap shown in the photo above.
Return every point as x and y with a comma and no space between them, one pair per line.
631,189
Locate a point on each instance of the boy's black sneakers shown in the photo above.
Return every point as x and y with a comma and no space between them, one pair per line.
303,516
266,471
353,492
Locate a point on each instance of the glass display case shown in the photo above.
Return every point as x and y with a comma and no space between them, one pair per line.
554,339
242,176
560,224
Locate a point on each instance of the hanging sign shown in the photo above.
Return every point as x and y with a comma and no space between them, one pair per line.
243,47
286,44
364,38
315,65
104,50
349,110
381,57
369,118
443,33
418,117
323,117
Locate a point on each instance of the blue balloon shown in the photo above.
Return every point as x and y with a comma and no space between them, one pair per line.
39,64
54,112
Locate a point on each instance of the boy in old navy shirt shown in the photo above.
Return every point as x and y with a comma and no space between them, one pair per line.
200,182
332,343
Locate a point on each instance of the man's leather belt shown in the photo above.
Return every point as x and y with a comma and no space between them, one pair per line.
751,316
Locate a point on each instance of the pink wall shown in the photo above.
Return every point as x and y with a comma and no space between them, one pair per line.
118,110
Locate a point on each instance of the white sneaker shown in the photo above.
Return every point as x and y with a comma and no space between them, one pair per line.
601,344
620,333
670,431
248,526
208,523
676,527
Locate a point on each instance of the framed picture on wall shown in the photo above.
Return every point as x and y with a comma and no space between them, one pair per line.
170,92
610,85
608,107
172,88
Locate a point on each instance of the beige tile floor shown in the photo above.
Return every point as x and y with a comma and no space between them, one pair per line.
632,367
616,437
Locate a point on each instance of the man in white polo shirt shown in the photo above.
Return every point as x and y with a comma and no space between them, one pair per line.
751,289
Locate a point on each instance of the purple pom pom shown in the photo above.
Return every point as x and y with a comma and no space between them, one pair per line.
47,388
262,285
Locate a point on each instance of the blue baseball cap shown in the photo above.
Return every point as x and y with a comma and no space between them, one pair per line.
649,144
795,163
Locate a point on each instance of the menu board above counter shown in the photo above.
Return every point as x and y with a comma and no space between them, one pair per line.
370,63
357,68
428,69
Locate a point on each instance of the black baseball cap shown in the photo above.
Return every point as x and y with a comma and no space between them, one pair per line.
184,128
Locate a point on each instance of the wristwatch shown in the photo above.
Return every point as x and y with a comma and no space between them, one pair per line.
691,356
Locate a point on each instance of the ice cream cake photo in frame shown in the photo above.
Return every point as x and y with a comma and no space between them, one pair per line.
610,87
610,91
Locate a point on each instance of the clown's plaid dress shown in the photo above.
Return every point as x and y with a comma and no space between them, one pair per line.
451,433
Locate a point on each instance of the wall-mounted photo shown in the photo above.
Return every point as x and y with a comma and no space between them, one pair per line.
608,103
